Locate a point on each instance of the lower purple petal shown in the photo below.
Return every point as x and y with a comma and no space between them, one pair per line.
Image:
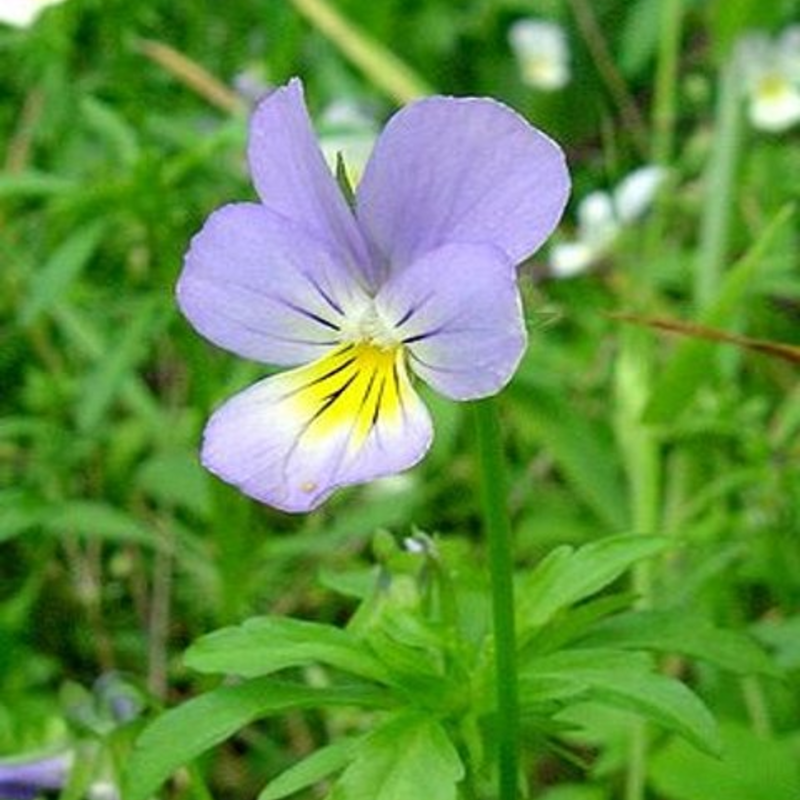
292,439
27,779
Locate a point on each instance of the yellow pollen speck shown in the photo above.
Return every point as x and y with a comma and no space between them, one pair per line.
308,486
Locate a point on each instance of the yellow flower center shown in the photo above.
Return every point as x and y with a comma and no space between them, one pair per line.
772,86
356,386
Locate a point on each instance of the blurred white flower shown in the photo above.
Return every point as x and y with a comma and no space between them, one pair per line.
103,790
345,128
635,193
542,53
23,13
602,217
771,73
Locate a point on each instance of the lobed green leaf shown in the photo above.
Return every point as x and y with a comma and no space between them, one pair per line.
61,270
264,645
407,758
686,633
622,680
752,767
567,576
312,769
180,735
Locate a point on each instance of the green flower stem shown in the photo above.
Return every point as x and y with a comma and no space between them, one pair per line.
634,375
665,106
719,185
498,529
642,459
665,114
755,701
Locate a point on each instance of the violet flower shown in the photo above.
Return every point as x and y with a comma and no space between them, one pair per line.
418,279
25,780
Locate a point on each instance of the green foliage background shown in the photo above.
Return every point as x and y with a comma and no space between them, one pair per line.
117,550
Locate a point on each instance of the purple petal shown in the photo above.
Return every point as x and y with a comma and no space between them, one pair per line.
10,790
291,439
293,179
24,779
458,311
461,170
256,284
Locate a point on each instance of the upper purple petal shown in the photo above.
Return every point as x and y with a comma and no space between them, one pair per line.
257,284
458,311
293,179
460,170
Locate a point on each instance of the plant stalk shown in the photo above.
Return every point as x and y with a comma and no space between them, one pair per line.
720,188
497,525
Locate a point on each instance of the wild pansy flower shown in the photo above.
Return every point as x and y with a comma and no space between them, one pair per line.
417,279
602,216
33,777
771,71
23,13
30,778
541,50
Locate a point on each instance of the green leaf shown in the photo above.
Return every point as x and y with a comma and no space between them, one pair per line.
751,768
407,758
118,364
81,332
575,791
567,576
412,651
311,769
585,457
263,645
729,20
176,479
693,361
61,270
577,622
640,35
783,636
33,184
113,128
684,632
343,179
92,519
180,735
627,681
19,512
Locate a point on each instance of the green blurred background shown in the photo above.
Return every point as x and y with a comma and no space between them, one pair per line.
122,125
